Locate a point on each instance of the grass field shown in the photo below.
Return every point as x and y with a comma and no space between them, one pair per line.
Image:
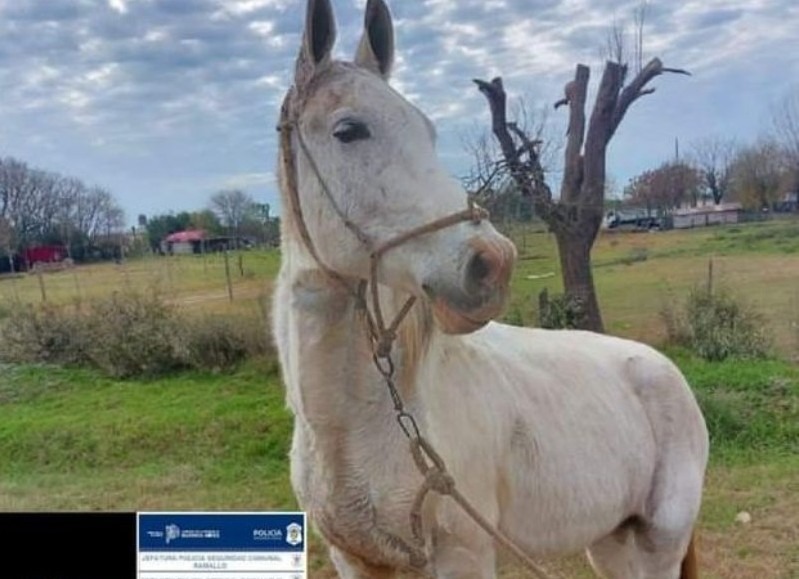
72,439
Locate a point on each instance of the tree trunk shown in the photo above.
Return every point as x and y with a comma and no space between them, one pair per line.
574,251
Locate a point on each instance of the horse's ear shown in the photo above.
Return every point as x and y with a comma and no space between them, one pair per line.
376,50
317,40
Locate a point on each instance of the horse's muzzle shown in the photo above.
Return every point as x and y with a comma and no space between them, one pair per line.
483,290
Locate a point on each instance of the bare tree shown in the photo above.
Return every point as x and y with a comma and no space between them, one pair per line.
233,206
785,120
713,157
41,206
576,216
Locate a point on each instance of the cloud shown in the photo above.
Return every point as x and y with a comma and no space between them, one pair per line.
165,101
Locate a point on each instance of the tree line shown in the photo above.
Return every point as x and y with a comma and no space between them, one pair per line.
39,207
717,170
231,213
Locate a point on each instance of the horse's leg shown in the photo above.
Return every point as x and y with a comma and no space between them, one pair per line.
469,554
654,548
613,557
349,567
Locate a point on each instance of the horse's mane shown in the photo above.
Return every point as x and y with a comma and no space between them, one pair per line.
413,339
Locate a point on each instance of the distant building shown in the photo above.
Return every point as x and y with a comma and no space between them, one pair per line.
707,214
198,241
44,254
183,242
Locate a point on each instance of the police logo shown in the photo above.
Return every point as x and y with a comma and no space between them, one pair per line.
294,534
171,532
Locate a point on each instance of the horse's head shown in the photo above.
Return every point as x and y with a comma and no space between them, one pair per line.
364,155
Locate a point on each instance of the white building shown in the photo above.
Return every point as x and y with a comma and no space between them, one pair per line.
707,214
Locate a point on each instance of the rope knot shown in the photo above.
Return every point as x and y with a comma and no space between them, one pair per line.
384,343
440,481
476,213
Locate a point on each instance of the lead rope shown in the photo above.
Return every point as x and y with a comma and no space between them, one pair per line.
430,464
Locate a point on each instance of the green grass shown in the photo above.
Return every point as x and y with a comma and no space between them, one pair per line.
638,274
751,407
72,439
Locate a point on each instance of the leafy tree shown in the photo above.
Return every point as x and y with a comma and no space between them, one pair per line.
757,174
665,188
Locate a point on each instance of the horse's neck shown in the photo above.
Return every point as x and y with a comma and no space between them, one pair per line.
333,383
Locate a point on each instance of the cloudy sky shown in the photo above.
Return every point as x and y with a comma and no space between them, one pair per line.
166,101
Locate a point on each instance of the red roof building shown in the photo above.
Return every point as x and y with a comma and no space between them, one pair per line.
189,236
45,254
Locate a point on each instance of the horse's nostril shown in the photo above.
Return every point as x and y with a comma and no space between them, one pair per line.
480,268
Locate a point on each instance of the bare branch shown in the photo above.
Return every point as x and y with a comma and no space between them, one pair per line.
568,92
615,43
676,71
637,88
785,122
529,179
640,20
530,146
494,91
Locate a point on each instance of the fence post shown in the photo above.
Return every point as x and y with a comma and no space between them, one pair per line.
41,284
227,276
710,277
79,299
241,265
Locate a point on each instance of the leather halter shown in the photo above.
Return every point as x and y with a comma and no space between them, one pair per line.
382,336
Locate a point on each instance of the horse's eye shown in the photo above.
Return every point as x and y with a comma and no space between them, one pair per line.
349,131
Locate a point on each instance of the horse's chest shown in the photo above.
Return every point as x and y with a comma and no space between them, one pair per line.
360,498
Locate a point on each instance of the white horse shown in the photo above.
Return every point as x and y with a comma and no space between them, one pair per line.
564,440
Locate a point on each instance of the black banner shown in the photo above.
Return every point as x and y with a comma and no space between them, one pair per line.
68,545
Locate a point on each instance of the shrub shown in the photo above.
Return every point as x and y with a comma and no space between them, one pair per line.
217,343
716,326
43,334
129,335
560,312
135,335
514,317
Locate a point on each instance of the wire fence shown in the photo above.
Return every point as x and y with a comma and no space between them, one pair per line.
214,280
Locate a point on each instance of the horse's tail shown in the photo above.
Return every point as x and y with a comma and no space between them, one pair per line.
690,566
